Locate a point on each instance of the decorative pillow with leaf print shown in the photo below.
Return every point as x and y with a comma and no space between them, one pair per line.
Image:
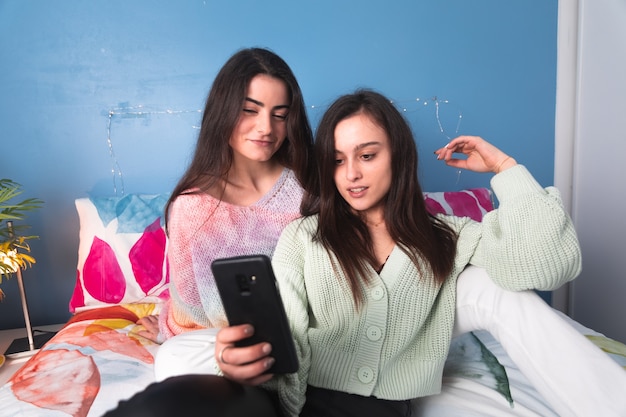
122,251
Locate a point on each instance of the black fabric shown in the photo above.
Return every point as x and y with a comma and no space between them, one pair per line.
328,403
198,395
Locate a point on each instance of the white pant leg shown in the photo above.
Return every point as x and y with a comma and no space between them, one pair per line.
568,370
187,353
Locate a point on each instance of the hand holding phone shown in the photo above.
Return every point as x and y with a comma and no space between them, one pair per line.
249,294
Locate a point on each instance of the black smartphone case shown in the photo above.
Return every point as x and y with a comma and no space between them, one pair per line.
249,294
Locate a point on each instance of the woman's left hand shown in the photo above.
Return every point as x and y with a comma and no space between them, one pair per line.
151,328
481,155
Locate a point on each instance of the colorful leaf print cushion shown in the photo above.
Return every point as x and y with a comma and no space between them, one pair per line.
122,251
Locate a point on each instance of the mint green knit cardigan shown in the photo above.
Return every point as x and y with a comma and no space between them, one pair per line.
395,346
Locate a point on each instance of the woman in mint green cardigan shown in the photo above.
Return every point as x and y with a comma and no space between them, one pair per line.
369,278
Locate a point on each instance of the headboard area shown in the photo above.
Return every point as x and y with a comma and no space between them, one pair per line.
122,244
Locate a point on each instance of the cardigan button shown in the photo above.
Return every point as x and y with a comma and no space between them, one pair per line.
378,293
374,333
365,374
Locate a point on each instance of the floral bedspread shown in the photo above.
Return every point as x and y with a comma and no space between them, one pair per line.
93,362
98,359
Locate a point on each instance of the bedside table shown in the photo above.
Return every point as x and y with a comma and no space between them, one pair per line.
15,362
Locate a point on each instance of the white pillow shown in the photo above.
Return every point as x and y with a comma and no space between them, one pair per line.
122,251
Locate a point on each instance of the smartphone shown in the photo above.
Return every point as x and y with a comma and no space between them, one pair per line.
249,294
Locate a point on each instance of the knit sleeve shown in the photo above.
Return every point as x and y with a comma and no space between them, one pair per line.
288,263
529,242
183,310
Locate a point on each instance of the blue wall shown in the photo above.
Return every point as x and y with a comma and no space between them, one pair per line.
103,97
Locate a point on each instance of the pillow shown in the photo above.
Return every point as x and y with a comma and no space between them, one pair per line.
121,251
474,203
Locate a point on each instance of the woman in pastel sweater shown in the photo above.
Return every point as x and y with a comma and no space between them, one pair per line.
243,185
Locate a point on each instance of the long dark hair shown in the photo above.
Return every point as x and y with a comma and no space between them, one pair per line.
429,242
212,158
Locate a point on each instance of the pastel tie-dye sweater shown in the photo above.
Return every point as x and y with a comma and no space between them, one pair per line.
201,229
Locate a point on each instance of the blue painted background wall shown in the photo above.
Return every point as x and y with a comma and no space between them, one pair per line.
98,98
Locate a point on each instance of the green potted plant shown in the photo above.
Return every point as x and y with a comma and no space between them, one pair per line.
14,248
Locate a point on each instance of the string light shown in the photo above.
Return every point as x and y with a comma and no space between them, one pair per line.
448,130
417,105
132,112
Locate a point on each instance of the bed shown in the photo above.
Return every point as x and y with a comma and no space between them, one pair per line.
98,358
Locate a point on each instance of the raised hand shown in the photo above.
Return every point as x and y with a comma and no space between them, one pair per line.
481,156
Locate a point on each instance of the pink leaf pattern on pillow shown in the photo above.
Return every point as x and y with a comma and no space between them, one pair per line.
463,205
78,298
102,276
484,198
147,256
433,206
473,203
